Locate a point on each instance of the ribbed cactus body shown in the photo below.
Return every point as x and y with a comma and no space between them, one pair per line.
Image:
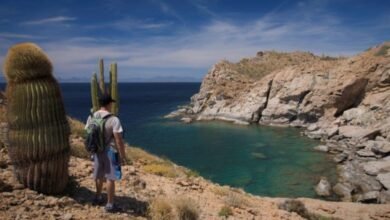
38,129
114,88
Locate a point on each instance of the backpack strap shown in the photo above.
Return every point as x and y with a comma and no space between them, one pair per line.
105,118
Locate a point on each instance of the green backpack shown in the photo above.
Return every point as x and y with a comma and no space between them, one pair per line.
94,140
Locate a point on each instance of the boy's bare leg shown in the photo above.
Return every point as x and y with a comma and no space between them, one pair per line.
99,186
110,191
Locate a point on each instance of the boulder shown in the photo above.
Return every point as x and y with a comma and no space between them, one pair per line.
350,131
339,158
352,173
323,187
186,120
322,148
332,131
384,196
365,153
312,127
368,197
344,190
381,147
376,167
384,179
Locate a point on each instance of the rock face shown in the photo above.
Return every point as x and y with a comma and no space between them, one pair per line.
323,188
342,101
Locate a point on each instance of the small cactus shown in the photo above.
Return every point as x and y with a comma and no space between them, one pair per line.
38,128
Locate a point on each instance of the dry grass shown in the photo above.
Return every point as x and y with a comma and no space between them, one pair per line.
270,61
161,169
225,211
383,51
76,127
160,209
221,190
187,209
235,199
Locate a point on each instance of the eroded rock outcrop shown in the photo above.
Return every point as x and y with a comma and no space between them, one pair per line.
342,101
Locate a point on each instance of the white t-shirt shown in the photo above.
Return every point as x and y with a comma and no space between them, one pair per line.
112,125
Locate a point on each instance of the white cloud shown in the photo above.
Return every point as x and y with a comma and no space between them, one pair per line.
18,36
299,28
57,19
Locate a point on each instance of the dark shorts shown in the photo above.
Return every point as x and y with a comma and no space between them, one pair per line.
107,165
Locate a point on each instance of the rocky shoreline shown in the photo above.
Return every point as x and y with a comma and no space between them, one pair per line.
344,102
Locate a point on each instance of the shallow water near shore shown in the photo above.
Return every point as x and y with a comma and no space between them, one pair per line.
263,160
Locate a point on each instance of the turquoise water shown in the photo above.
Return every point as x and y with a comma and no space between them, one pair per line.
262,160
267,161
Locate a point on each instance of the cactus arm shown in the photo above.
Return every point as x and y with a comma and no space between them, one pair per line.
94,93
114,89
101,76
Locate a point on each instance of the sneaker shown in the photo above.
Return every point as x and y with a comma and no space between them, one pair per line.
111,208
98,201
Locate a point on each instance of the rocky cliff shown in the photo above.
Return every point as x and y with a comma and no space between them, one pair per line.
342,101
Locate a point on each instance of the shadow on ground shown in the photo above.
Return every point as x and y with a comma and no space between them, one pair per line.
126,204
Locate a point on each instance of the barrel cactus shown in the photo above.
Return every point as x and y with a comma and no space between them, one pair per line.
38,127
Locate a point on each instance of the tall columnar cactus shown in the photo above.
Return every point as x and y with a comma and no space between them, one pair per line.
94,93
100,88
38,127
101,76
114,88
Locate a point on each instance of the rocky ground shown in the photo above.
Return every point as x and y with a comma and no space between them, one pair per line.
345,102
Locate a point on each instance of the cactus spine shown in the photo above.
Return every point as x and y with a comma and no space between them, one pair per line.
38,128
99,88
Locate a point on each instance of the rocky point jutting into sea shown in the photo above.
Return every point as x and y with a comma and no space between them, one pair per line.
345,102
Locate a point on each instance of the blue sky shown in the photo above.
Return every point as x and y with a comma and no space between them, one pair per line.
179,40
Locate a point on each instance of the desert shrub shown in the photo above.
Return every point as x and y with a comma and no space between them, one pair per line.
293,205
325,57
234,199
160,209
77,149
161,169
221,190
192,173
187,209
383,51
76,127
225,211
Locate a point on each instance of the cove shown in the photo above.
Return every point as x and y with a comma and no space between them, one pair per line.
267,161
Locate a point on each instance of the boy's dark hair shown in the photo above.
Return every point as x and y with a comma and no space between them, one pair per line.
105,99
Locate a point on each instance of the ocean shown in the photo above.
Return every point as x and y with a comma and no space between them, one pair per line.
263,160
